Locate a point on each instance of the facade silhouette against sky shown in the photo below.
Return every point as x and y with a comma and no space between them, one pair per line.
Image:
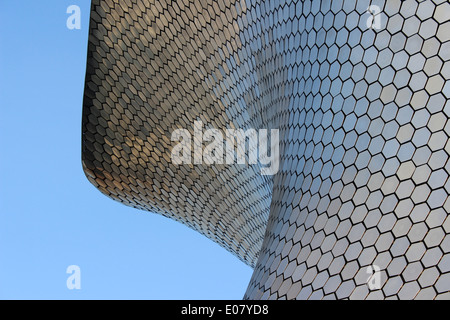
360,99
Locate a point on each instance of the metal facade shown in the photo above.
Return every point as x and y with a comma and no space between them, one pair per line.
363,117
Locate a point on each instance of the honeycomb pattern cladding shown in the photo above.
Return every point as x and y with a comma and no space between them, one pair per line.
363,118
154,67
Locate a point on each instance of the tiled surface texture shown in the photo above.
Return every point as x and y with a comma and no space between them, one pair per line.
363,117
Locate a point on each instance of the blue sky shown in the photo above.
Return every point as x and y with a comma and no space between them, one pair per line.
50,215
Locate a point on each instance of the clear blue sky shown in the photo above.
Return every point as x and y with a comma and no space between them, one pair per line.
50,215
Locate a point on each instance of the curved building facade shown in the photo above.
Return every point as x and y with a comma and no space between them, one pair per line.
359,93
